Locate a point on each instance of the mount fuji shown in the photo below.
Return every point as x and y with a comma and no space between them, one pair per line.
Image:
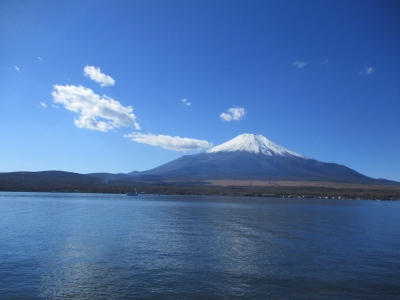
251,157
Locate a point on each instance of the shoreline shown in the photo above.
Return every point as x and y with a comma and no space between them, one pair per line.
299,192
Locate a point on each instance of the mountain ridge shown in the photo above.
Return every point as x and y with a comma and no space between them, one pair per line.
248,169
252,157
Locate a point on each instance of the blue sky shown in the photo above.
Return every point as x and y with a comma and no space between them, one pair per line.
117,86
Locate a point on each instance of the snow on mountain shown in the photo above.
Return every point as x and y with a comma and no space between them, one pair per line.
253,143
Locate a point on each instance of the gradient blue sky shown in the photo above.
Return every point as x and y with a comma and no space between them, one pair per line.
321,78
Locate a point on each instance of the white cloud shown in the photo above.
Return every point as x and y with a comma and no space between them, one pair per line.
91,107
43,104
185,101
299,64
39,58
96,75
367,71
175,143
233,114
17,69
55,106
90,122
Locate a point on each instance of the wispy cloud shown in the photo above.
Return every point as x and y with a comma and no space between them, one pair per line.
43,104
367,71
93,107
96,75
39,58
299,64
55,106
174,143
17,69
233,114
185,101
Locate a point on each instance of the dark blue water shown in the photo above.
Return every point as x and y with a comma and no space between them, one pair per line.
90,246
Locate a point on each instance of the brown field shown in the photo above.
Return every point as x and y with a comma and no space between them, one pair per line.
253,183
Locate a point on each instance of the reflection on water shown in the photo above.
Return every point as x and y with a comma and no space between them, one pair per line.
88,246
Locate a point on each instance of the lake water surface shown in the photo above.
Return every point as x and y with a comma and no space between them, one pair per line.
94,246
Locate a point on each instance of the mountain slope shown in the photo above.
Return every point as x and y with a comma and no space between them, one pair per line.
252,157
45,181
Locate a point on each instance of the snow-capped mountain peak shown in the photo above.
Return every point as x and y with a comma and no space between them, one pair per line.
253,143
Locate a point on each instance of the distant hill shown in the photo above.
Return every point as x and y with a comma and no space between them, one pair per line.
65,182
35,181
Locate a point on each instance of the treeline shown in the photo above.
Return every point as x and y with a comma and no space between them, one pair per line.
166,189
58,181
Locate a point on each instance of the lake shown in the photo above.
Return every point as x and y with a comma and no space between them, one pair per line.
97,246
